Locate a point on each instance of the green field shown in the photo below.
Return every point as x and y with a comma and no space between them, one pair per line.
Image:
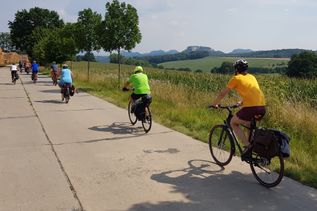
208,63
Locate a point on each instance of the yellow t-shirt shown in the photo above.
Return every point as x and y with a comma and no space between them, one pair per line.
248,88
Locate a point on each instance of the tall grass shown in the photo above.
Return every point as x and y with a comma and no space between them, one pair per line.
180,100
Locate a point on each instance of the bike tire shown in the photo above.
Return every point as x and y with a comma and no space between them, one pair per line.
147,121
268,172
221,145
66,94
131,115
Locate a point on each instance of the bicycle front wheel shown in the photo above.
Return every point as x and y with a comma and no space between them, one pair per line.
268,172
132,117
147,121
221,145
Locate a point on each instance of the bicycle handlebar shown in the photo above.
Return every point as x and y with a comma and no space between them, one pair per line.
127,89
224,107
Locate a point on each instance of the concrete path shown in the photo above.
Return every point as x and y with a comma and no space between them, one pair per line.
85,155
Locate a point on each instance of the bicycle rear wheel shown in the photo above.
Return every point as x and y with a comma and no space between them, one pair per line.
147,121
132,117
221,145
268,172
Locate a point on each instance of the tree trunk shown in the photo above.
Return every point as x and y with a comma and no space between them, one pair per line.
88,65
119,72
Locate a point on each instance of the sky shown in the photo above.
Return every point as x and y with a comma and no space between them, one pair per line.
220,24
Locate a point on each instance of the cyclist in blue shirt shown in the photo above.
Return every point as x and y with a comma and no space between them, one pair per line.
66,79
66,76
35,70
35,67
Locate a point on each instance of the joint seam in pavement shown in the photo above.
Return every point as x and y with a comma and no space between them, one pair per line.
71,187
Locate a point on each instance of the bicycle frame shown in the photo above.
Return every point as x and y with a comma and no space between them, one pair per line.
235,139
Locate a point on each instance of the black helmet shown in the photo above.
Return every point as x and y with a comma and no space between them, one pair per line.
241,65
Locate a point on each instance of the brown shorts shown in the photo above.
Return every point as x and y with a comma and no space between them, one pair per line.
248,113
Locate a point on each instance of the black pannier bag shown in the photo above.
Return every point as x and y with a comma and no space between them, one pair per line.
266,143
72,90
283,141
139,106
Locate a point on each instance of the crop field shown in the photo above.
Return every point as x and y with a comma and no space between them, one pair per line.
208,63
180,100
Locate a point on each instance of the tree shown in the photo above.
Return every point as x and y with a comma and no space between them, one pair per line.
120,29
86,57
86,35
26,21
303,65
57,45
5,41
226,68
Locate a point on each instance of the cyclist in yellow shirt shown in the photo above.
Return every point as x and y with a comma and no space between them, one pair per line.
253,101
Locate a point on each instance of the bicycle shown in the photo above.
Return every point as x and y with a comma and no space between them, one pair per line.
54,78
15,77
34,77
223,144
142,106
66,92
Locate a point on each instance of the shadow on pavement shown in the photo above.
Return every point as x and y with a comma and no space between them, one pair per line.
6,83
50,101
18,117
169,150
13,97
52,90
205,186
137,132
115,128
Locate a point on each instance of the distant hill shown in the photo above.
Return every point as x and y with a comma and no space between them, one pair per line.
160,53
211,52
194,48
197,52
283,53
152,53
239,51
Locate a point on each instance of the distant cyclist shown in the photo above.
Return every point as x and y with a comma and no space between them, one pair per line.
35,69
253,101
54,71
20,65
140,83
14,73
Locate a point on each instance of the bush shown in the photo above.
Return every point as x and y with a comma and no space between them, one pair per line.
303,65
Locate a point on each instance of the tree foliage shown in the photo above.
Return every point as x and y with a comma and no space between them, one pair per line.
225,68
128,61
120,29
57,45
86,57
303,65
5,41
86,35
86,32
21,29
